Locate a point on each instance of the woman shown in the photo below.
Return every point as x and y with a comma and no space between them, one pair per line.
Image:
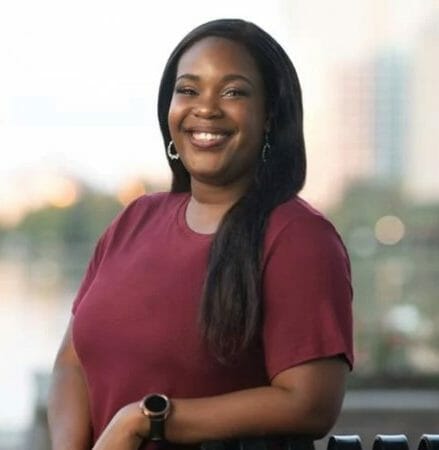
230,296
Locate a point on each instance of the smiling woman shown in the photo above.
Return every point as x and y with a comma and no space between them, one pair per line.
221,309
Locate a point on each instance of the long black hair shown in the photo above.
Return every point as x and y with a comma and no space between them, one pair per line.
231,309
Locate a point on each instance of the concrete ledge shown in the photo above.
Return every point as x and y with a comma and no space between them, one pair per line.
391,400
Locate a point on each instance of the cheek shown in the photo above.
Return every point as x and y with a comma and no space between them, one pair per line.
253,128
251,118
175,115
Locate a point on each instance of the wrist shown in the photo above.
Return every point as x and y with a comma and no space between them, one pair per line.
125,431
156,409
132,423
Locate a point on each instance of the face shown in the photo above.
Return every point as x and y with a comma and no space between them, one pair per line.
217,116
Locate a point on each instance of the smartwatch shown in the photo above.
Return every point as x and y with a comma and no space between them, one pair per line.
157,407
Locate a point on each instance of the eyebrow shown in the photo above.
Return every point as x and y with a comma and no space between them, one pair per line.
230,77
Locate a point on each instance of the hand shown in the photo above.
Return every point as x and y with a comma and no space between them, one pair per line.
126,430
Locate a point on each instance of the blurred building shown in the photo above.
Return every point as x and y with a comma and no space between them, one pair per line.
372,110
391,99
378,115
387,111
421,181
355,121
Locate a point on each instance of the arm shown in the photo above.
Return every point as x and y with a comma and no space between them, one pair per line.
305,399
302,400
68,411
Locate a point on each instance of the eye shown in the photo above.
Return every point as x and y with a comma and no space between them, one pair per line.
185,90
235,92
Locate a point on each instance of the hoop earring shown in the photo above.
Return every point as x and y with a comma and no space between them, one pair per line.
173,156
265,149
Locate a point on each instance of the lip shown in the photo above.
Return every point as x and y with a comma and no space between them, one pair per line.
207,129
207,144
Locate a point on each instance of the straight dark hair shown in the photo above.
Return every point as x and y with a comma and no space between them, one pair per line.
231,309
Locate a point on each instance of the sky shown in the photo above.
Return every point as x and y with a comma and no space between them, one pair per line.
79,83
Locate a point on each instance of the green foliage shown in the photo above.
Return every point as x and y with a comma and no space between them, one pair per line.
62,236
395,286
366,202
83,222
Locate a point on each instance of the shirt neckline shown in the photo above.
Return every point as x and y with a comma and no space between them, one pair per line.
182,222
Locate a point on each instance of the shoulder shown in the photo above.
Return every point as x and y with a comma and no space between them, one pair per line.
144,209
150,203
303,229
297,215
295,208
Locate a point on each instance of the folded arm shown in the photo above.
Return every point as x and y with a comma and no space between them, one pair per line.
303,400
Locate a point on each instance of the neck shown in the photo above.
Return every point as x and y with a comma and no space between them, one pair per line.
211,195
209,203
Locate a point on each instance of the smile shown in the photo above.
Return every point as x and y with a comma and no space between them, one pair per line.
207,139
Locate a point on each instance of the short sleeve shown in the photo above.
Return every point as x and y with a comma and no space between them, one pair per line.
307,296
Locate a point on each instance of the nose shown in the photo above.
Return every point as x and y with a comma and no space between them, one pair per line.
207,107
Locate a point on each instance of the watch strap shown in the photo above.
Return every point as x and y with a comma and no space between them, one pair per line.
157,429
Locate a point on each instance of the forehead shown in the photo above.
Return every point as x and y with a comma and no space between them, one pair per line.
216,54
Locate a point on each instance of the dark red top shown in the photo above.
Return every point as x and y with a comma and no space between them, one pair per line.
135,326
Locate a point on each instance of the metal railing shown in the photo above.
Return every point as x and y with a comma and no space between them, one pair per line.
335,442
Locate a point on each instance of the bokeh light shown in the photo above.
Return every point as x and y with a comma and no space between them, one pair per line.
62,192
389,230
130,190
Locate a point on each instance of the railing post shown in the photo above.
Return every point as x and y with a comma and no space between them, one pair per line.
347,442
390,442
429,442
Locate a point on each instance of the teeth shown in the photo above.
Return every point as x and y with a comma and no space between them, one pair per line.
203,136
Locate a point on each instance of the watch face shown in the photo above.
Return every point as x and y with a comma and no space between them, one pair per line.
156,403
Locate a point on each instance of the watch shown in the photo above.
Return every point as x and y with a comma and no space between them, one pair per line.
157,407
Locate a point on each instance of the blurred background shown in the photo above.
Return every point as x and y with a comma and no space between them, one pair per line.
79,139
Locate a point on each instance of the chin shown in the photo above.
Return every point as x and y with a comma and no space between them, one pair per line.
209,177
203,171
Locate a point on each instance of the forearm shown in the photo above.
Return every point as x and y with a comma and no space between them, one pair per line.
305,400
255,412
68,410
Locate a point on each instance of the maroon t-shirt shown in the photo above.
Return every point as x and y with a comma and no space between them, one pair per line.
136,313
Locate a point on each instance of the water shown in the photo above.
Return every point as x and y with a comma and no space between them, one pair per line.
33,317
